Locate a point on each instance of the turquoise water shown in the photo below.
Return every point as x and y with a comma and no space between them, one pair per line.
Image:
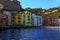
30,34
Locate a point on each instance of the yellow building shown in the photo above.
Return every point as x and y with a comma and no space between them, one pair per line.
16,18
22,18
12,19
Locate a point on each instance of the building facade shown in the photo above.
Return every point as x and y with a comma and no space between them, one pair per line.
3,20
55,22
9,7
27,18
36,20
22,18
47,21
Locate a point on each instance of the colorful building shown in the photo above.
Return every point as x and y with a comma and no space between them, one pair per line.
22,18
59,21
36,20
10,7
50,21
17,18
13,19
26,18
3,20
47,21
55,21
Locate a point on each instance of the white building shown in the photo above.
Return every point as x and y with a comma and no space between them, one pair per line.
36,20
54,10
47,12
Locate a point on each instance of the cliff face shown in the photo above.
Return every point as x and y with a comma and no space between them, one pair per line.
12,5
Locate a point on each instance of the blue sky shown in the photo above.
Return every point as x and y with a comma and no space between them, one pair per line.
45,4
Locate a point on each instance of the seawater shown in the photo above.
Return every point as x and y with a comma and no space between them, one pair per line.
30,34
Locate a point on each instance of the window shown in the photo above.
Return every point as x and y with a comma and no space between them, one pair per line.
19,21
28,19
28,16
28,22
12,22
19,17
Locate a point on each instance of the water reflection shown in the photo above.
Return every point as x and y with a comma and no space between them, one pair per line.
30,34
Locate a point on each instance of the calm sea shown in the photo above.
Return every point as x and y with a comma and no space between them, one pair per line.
30,34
